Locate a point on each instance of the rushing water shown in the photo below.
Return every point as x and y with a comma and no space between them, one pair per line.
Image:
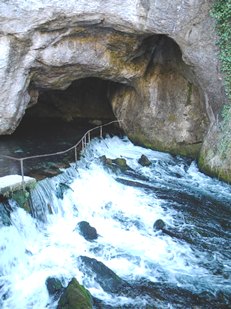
185,265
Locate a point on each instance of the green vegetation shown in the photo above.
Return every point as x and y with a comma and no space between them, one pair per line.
221,11
75,297
22,199
225,141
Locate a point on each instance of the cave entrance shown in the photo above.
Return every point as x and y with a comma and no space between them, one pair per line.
85,100
58,121
71,112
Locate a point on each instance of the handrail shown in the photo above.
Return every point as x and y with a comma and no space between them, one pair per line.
83,141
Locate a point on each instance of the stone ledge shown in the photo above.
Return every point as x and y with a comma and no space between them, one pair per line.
13,183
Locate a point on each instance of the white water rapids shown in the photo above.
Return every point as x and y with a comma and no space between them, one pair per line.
31,249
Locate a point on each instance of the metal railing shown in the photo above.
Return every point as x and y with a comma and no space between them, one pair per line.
86,138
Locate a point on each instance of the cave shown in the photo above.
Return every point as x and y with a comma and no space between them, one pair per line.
85,100
119,43
99,75
65,115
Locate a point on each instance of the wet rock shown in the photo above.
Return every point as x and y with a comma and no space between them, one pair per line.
177,296
99,304
121,163
105,160
22,199
54,286
159,224
61,189
115,164
144,161
75,296
107,279
5,211
87,231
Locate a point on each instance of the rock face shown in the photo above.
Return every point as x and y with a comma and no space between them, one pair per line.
215,155
157,61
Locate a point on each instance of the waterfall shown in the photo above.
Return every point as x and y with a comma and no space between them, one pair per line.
186,262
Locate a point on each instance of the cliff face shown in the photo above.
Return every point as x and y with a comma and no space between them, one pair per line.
160,55
215,154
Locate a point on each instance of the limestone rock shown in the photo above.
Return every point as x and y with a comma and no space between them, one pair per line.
160,55
215,155
164,110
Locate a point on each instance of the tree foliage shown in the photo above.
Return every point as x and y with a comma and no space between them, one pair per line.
221,11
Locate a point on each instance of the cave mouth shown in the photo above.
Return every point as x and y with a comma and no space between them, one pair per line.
58,121
82,106
85,100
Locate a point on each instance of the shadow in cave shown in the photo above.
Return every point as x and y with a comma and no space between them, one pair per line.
56,122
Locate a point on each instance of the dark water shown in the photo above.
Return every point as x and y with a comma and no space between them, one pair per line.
184,264
35,137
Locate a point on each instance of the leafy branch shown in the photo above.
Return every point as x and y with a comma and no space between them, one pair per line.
221,11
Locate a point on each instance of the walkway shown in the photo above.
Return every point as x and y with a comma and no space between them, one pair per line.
10,180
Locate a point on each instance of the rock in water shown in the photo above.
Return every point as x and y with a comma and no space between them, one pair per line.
75,296
54,286
159,225
61,189
121,163
87,231
115,164
108,280
144,161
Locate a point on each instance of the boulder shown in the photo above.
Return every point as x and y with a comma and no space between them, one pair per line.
87,231
121,163
75,296
54,286
107,279
115,164
144,161
159,225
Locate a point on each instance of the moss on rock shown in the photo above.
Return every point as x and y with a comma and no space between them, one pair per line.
189,150
215,155
22,199
75,296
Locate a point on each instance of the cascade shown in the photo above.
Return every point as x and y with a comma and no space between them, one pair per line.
185,262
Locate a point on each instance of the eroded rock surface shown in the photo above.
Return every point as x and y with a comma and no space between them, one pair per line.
160,55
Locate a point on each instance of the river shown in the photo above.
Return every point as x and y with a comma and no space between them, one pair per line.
186,264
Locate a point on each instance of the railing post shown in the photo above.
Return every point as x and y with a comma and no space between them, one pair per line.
89,137
85,140
76,156
82,144
101,132
22,173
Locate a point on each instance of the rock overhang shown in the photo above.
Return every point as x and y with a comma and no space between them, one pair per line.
52,43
